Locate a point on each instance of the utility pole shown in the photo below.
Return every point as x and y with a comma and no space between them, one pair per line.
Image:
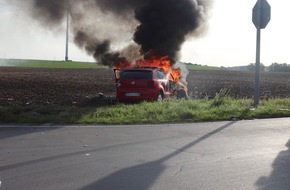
67,33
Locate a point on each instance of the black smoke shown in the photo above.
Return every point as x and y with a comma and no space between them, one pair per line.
158,26
121,7
164,25
49,12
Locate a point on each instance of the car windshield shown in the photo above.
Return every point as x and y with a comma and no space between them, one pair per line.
135,74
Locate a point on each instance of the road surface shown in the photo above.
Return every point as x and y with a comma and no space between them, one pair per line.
227,155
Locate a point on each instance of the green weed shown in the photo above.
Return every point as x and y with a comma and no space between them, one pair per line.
172,111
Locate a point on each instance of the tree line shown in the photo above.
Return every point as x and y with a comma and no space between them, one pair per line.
274,67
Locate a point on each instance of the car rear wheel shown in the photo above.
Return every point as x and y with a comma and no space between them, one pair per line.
160,97
181,94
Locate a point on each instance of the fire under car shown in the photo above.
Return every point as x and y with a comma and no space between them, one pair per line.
146,84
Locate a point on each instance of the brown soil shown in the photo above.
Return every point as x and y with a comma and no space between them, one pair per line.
86,86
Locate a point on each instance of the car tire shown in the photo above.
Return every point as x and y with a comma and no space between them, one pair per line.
160,97
181,94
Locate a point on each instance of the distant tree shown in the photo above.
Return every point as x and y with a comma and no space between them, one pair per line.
262,67
279,67
252,67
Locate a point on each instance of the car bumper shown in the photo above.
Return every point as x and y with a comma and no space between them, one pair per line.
148,95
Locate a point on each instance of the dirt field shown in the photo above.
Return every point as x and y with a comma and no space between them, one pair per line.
82,86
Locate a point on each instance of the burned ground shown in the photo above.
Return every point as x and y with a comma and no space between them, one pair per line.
86,86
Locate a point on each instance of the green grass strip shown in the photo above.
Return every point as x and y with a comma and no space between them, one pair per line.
171,111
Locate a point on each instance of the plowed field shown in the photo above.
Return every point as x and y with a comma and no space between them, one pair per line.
82,86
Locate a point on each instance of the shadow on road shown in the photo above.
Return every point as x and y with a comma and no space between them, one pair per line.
8,132
280,176
143,176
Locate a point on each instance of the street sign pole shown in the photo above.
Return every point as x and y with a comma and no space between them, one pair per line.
261,17
257,69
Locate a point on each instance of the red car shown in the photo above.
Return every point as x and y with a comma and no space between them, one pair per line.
144,84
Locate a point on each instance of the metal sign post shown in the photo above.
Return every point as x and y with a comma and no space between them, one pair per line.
257,69
261,17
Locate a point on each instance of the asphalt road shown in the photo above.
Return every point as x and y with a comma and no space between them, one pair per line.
228,155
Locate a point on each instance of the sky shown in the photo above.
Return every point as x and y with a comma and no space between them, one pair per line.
230,39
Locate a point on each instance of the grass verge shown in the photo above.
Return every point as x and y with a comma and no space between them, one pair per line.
172,111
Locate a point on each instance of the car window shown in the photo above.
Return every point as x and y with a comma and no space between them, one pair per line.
132,74
160,75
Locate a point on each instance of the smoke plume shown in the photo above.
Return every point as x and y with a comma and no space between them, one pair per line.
108,29
51,12
164,25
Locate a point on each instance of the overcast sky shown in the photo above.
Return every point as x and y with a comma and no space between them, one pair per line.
229,41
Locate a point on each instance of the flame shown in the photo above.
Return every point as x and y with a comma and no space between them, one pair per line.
160,62
175,75
153,61
122,64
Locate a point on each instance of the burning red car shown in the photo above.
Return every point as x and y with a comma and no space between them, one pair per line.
150,80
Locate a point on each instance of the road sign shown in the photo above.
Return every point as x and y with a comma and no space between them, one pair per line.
261,14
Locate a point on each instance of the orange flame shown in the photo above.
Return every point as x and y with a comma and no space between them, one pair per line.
175,75
122,64
161,62
153,61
